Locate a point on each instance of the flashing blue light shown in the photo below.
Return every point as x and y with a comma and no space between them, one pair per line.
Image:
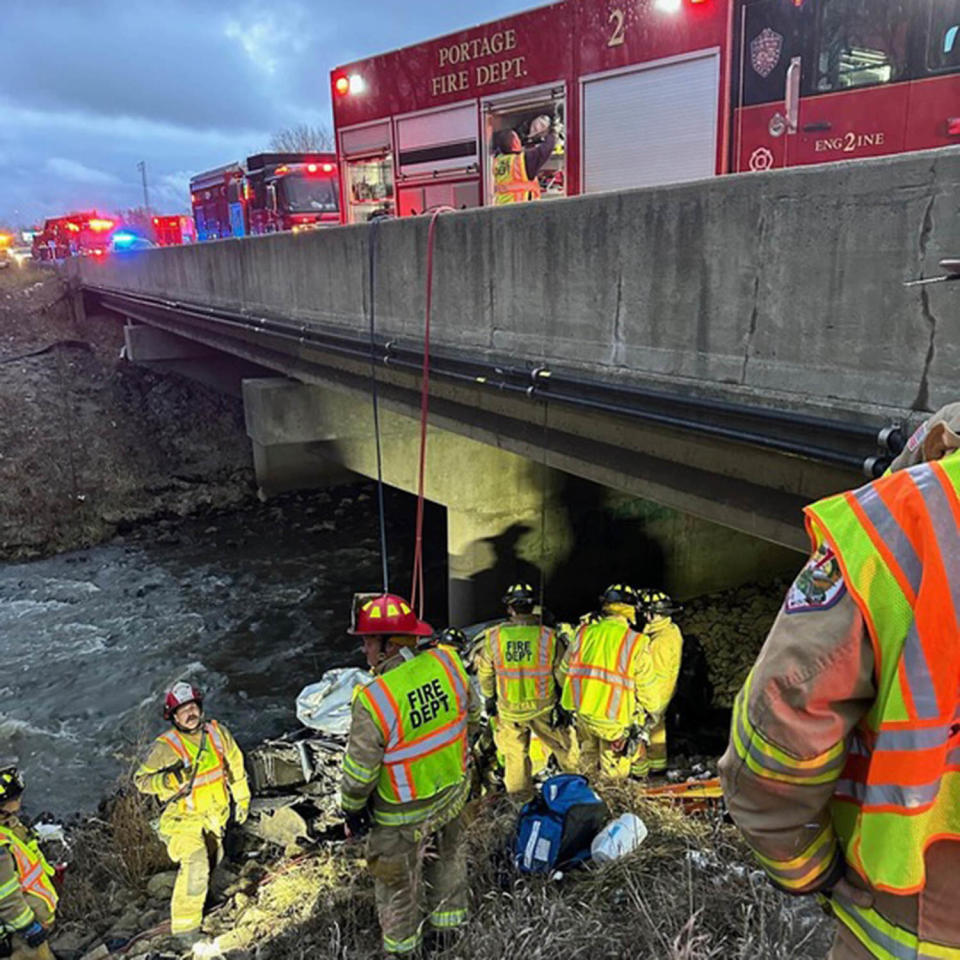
123,240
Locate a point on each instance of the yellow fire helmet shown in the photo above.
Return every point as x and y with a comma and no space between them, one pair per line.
11,781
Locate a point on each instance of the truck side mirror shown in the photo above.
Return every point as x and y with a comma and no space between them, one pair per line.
272,197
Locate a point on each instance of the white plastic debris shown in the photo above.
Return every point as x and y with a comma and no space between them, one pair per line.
50,831
618,838
325,705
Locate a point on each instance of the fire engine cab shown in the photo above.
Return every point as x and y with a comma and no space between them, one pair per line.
268,193
75,235
642,93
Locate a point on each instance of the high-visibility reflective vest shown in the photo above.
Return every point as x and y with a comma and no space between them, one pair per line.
210,784
600,685
523,656
421,710
33,871
898,545
510,181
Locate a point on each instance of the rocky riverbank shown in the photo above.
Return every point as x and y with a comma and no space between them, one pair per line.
90,444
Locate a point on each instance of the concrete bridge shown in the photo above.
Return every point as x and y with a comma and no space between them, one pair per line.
690,363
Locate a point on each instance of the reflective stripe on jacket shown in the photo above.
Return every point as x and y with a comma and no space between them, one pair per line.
898,543
510,181
523,658
421,709
210,783
33,874
600,685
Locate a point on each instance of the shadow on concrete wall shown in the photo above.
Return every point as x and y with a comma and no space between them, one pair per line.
605,548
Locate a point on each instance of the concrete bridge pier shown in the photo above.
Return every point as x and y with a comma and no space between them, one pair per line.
497,502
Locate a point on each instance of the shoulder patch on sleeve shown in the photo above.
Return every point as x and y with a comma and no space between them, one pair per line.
819,584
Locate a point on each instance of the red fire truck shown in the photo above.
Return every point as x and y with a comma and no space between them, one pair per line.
172,230
651,92
77,234
270,192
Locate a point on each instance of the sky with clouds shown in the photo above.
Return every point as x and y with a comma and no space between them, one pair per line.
89,88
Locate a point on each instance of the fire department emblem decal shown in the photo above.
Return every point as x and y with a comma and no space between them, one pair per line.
819,585
761,159
765,50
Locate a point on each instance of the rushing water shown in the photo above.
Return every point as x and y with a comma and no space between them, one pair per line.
250,605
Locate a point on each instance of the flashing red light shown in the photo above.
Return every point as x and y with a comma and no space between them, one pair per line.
342,85
699,2
101,226
281,170
328,168
311,168
953,126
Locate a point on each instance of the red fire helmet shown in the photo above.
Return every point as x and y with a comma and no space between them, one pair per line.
179,694
389,614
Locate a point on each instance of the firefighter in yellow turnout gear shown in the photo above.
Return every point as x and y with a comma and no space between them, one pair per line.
405,773
193,769
609,686
28,898
666,651
516,666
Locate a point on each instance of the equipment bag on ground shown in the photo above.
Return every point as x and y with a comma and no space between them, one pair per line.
555,829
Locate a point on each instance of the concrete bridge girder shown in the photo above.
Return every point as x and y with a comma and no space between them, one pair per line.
506,512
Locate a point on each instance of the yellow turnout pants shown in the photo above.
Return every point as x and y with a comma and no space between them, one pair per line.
196,850
657,751
513,741
415,878
598,758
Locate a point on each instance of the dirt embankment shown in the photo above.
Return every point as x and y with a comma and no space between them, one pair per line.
91,444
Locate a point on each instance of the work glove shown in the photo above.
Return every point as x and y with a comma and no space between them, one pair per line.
241,811
560,718
175,779
490,705
34,935
356,823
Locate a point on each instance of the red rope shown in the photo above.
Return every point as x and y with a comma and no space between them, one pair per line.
416,590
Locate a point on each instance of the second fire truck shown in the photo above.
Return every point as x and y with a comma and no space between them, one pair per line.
268,193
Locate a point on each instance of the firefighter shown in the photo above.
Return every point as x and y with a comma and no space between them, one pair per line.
515,169
193,769
609,685
654,613
516,665
405,773
842,766
28,898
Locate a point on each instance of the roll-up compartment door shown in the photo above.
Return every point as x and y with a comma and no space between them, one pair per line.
369,139
441,141
651,125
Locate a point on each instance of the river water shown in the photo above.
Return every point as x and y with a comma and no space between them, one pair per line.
250,605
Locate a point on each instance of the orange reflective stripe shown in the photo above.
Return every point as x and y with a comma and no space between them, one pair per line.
32,874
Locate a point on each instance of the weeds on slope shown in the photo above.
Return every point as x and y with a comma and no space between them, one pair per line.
689,893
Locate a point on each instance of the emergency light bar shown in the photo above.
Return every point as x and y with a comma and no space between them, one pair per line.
101,226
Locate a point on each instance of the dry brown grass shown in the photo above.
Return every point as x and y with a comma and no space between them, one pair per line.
689,893
112,858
